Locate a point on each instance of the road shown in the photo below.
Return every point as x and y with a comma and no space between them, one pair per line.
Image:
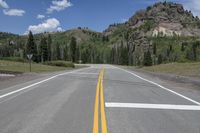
65,103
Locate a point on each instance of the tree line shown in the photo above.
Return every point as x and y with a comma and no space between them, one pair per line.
46,52
100,49
159,50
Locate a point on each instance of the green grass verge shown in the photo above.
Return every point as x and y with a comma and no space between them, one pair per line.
16,59
185,69
24,67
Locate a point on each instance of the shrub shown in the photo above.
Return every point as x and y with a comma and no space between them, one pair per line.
149,8
60,64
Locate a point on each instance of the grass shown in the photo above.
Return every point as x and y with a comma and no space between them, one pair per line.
185,69
24,67
17,59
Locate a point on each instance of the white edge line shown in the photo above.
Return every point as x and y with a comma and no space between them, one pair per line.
153,106
6,75
24,88
187,98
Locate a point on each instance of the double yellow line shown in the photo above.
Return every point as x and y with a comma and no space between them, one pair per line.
99,99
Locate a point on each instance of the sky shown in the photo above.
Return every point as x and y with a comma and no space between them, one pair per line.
21,16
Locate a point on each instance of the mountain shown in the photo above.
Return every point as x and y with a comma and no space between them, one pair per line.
163,18
166,18
165,30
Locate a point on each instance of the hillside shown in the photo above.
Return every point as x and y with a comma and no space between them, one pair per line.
166,30
6,37
88,43
168,18
82,35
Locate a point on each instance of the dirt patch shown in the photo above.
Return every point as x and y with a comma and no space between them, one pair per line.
10,72
19,78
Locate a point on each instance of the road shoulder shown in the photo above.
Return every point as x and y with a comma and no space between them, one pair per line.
184,87
21,78
189,81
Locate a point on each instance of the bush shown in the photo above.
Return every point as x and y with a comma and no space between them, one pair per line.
60,64
149,8
17,59
147,26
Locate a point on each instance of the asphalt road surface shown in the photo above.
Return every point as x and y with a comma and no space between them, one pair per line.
64,103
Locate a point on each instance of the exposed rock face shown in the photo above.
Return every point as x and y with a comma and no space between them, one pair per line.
168,29
169,19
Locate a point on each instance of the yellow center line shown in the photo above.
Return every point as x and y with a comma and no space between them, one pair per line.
99,93
96,109
103,116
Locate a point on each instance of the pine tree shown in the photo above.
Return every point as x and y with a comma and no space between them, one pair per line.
183,46
43,49
170,48
194,49
66,52
124,55
112,55
49,42
73,49
160,60
31,47
147,59
58,54
154,49
78,56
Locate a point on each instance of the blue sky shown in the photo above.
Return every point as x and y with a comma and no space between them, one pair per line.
20,16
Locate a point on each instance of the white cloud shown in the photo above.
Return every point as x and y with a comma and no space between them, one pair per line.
39,16
3,4
51,24
11,12
58,5
14,12
59,29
